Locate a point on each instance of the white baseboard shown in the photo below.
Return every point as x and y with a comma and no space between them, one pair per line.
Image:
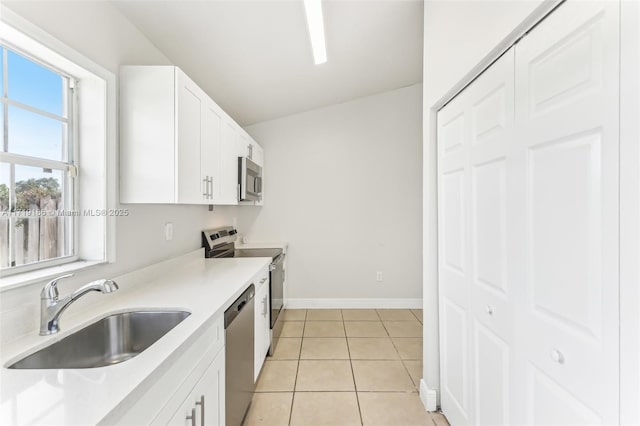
353,303
428,397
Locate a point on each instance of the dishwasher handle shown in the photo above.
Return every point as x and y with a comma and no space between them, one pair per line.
234,310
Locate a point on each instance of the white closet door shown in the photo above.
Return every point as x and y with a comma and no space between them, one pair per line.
453,270
492,290
567,91
475,131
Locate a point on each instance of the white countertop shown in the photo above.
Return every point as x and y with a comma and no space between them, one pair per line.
204,287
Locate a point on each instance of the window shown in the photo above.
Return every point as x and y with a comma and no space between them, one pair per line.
57,157
37,170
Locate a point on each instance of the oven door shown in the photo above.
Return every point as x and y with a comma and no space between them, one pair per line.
249,180
276,287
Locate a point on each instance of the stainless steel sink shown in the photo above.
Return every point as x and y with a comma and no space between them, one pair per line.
111,340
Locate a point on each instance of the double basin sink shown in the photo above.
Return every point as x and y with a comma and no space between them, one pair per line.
111,340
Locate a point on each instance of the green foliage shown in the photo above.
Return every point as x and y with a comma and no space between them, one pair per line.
34,191
31,192
49,184
4,197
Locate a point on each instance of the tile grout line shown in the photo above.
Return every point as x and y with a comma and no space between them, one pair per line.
400,357
384,326
396,348
295,381
353,374
299,359
414,314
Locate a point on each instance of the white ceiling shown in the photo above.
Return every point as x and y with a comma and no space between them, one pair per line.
254,57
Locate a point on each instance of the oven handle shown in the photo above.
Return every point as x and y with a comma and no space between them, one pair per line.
280,258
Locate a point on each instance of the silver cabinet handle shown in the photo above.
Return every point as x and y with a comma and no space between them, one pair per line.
263,280
201,404
489,309
264,303
192,417
211,180
206,187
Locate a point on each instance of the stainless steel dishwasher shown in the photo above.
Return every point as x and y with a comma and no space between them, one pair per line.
239,341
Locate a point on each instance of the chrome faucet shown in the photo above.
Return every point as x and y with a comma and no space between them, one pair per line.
51,307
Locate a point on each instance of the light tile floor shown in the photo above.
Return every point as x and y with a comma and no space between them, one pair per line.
344,367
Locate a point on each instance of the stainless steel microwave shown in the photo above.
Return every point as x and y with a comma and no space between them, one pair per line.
249,180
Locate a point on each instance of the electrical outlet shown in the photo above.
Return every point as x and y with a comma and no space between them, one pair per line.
168,231
379,276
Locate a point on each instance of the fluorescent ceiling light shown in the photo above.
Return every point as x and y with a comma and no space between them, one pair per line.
313,8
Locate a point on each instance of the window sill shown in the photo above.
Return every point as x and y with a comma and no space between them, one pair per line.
25,278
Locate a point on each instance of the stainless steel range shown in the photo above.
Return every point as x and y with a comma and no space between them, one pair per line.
220,243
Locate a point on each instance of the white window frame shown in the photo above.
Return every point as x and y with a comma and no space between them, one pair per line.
68,167
95,115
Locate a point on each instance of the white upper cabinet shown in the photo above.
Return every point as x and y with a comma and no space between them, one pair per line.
250,149
229,164
177,146
189,142
210,148
257,154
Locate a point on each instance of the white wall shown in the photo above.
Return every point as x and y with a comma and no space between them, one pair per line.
343,187
101,33
457,36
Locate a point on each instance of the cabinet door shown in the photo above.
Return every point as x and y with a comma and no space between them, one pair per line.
147,125
261,327
257,154
188,132
266,329
210,149
244,145
229,164
206,401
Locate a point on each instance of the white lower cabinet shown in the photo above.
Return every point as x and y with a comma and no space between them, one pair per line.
205,404
262,320
191,373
